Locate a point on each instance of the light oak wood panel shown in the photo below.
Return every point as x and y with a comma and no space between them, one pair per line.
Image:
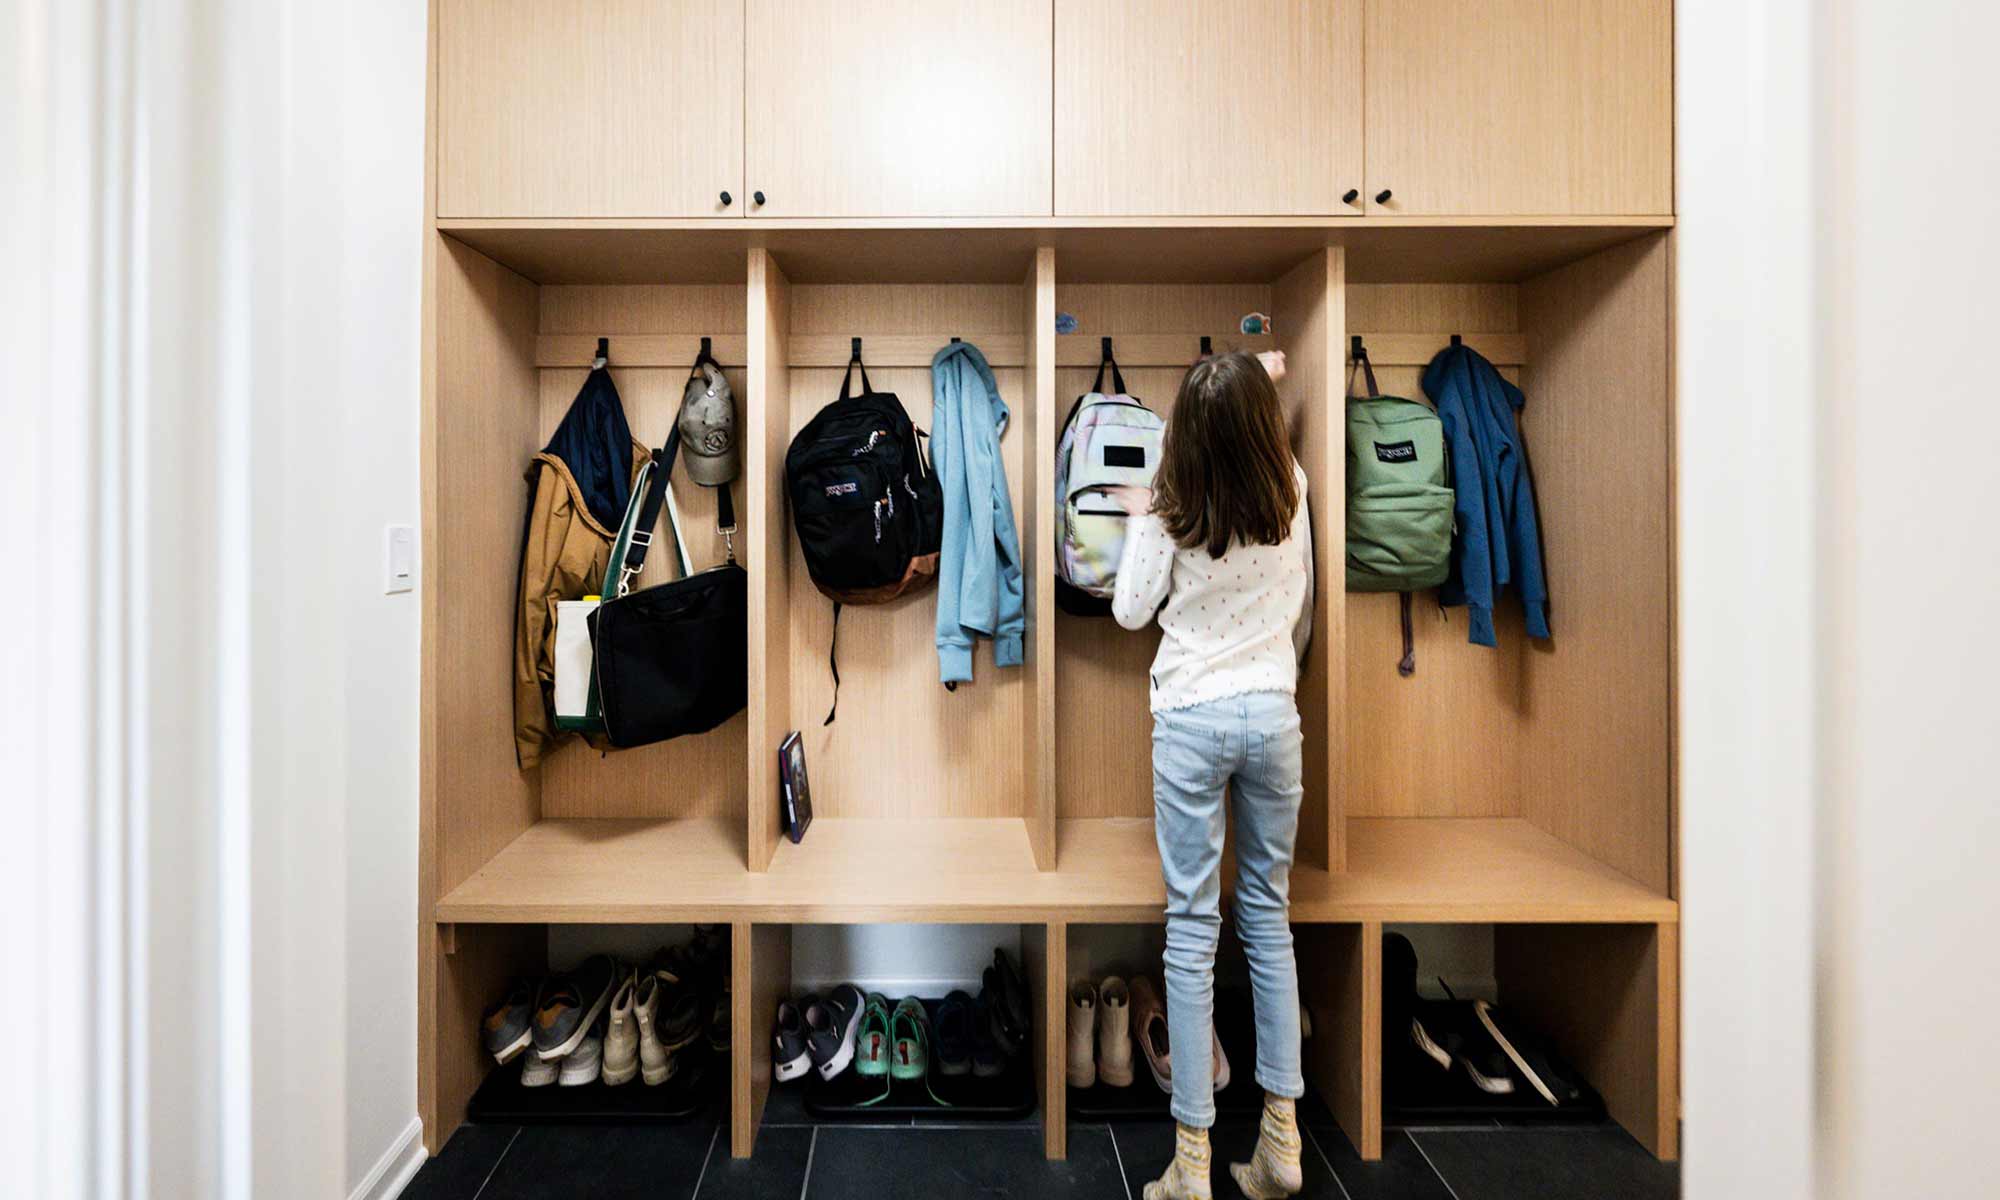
430,686
1044,961
614,108
982,870
1609,997
1446,741
1596,761
996,250
1340,982
1038,436
760,965
898,107
1513,107
482,961
1309,316
902,745
483,434
767,421
1266,94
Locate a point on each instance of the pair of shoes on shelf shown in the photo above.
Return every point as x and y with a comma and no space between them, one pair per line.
1149,1029
898,1043
817,1033
1480,1039
703,963
560,1024
1100,1033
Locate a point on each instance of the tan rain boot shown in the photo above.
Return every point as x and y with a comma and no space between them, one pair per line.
1082,1032
1114,1033
621,1036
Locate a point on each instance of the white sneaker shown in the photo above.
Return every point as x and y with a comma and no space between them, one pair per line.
537,1071
621,1036
583,1064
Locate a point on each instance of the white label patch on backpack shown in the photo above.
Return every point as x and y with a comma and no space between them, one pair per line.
843,489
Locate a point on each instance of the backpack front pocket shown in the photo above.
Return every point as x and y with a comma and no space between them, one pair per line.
853,520
1398,537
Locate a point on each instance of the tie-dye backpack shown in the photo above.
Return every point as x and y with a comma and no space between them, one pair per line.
1110,439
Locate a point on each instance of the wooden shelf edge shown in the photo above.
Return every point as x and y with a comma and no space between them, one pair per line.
756,224
975,870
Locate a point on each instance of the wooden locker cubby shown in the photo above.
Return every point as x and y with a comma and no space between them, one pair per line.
1528,785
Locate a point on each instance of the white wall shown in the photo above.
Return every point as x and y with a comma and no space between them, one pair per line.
1909,576
380,165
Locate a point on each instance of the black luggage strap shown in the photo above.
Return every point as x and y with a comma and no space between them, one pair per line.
833,661
657,484
1358,354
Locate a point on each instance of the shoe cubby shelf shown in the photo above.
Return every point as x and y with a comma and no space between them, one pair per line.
1527,785
857,870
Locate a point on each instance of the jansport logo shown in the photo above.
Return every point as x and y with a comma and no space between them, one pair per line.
1396,452
842,489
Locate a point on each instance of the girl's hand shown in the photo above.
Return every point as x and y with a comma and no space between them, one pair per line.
1274,363
1136,501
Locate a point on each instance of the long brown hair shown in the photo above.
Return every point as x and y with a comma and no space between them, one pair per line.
1226,465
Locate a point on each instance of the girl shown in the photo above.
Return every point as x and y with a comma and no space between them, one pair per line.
1223,540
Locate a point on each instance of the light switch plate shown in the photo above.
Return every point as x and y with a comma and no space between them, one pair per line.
399,569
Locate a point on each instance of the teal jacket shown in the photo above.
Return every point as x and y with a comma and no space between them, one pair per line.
979,568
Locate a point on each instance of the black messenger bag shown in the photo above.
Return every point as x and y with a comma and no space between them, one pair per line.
674,658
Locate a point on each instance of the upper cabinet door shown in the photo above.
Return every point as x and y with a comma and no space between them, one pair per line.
607,108
898,108
1520,107
1208,107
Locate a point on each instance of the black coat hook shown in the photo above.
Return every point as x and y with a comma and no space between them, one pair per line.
1207,346
1355,349
956,339
1107,349
603,352
1457,340
856,345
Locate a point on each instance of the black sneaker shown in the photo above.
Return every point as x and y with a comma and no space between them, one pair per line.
987,1061
570,1005
830,1029
1007,1001
505,1027
791,1057
954,1035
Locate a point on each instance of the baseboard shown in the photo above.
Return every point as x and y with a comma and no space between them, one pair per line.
397,1166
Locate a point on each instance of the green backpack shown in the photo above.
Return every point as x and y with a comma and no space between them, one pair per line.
1399,498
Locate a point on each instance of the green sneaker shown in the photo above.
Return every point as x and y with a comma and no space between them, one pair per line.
872,1044
910,1040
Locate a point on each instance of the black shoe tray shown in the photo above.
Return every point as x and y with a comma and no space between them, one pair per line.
700,1083
1235,1025
1008,1096
1416,1092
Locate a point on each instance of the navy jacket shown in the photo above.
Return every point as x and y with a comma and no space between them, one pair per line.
594,442
1498,541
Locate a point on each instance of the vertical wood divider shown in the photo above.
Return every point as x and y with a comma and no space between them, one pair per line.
1340,975
1038,400
1045,959
760,972
1309,311
767,424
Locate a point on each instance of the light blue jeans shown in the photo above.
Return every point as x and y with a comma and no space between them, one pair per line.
1247,748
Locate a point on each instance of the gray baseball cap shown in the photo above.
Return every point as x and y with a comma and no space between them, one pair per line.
708,428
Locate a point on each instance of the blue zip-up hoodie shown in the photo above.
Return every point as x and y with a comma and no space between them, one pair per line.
1498,540
979,568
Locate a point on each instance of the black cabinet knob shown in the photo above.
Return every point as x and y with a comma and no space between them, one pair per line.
758,198
1382,197
1352,195
725,199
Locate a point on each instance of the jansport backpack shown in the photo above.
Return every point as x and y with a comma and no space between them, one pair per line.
1109,440
1399,498
867,509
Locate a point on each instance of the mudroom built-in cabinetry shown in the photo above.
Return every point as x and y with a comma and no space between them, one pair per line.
1149,173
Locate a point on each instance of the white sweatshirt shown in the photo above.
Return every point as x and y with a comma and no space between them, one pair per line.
1231,625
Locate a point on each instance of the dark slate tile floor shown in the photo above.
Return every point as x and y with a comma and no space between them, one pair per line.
835,1161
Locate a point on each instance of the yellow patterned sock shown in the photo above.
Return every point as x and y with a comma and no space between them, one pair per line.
1273,1171
1187,1175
